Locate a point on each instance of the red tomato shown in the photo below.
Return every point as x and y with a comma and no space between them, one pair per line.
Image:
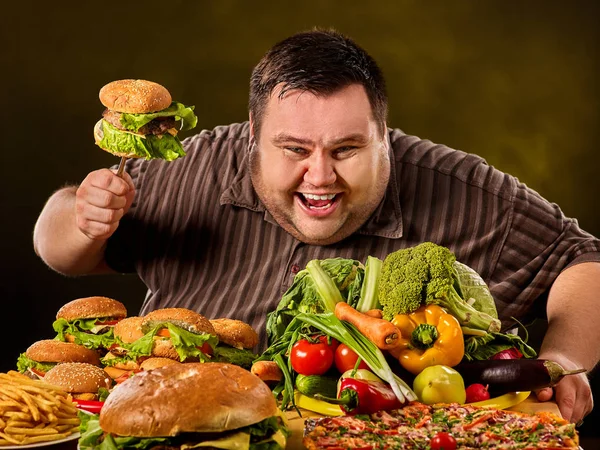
443,441
106,322
127,375
309,358
345,359
333,343
92,406
206,349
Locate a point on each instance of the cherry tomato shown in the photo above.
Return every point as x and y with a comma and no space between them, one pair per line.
310,358
345,359
443,441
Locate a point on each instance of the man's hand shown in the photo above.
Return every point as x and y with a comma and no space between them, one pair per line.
573,392
102,200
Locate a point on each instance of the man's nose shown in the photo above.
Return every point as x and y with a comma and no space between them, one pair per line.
320,170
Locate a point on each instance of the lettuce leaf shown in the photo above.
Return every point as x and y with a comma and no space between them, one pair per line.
240,357
77,329
134,122
186,344
24,363
484,347
165,146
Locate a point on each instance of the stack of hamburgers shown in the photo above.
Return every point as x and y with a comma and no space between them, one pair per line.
177,335
188,406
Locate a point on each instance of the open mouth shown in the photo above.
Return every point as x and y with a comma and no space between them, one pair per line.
318,202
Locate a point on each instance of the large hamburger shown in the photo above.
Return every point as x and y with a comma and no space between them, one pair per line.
210,405
89,321
41,356
141,121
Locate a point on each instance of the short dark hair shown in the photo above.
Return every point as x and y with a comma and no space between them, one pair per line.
319,61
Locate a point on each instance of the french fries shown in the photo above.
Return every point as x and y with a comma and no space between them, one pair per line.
33,411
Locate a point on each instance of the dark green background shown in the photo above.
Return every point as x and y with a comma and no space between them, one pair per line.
514,81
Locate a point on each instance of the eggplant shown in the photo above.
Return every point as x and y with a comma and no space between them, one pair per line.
512,375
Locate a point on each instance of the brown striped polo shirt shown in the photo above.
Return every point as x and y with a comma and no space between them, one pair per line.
199,238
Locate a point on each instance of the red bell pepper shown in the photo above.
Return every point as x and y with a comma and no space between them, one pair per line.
364,397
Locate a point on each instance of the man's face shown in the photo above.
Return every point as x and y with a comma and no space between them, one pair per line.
321,164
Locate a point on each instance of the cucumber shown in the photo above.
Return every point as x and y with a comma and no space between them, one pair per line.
317,384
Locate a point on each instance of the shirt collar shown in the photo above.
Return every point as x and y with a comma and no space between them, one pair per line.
386,220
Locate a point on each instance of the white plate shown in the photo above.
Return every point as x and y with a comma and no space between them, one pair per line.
43,444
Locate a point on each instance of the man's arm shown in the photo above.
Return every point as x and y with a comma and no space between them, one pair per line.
72,231
573,336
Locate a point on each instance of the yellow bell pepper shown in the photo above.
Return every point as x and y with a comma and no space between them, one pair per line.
430,336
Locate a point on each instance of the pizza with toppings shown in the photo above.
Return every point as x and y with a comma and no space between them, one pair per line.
416,425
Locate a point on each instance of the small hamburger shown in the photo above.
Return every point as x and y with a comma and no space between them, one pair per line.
210,405
125,358
89,321
141,121
81,380
41,356
236,339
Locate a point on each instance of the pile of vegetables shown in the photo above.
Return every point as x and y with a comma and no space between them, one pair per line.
418,307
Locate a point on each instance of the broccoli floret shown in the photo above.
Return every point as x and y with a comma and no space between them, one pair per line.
424,275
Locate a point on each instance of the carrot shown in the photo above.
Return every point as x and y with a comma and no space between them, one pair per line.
267,370
380,332
377,313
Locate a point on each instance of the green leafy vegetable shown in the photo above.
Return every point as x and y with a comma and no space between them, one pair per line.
486,346
79,329
134,122
424,275
369,293
240,357
24,363
317,289
163,146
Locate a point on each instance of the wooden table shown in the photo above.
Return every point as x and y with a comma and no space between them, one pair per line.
296,424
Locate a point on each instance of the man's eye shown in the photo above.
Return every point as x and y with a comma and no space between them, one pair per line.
296,150
342,151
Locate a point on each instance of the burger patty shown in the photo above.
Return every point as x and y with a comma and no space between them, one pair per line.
160,125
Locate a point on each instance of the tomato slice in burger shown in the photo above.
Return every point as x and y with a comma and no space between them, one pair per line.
164,332
107,322
39,373
92,406
206,349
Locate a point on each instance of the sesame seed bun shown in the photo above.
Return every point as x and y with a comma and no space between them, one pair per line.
236,333
129,329
155,363
92,307
53,351
194,397
135,96
182,317
77,378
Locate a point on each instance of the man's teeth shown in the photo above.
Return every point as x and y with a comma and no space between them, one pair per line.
319,197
